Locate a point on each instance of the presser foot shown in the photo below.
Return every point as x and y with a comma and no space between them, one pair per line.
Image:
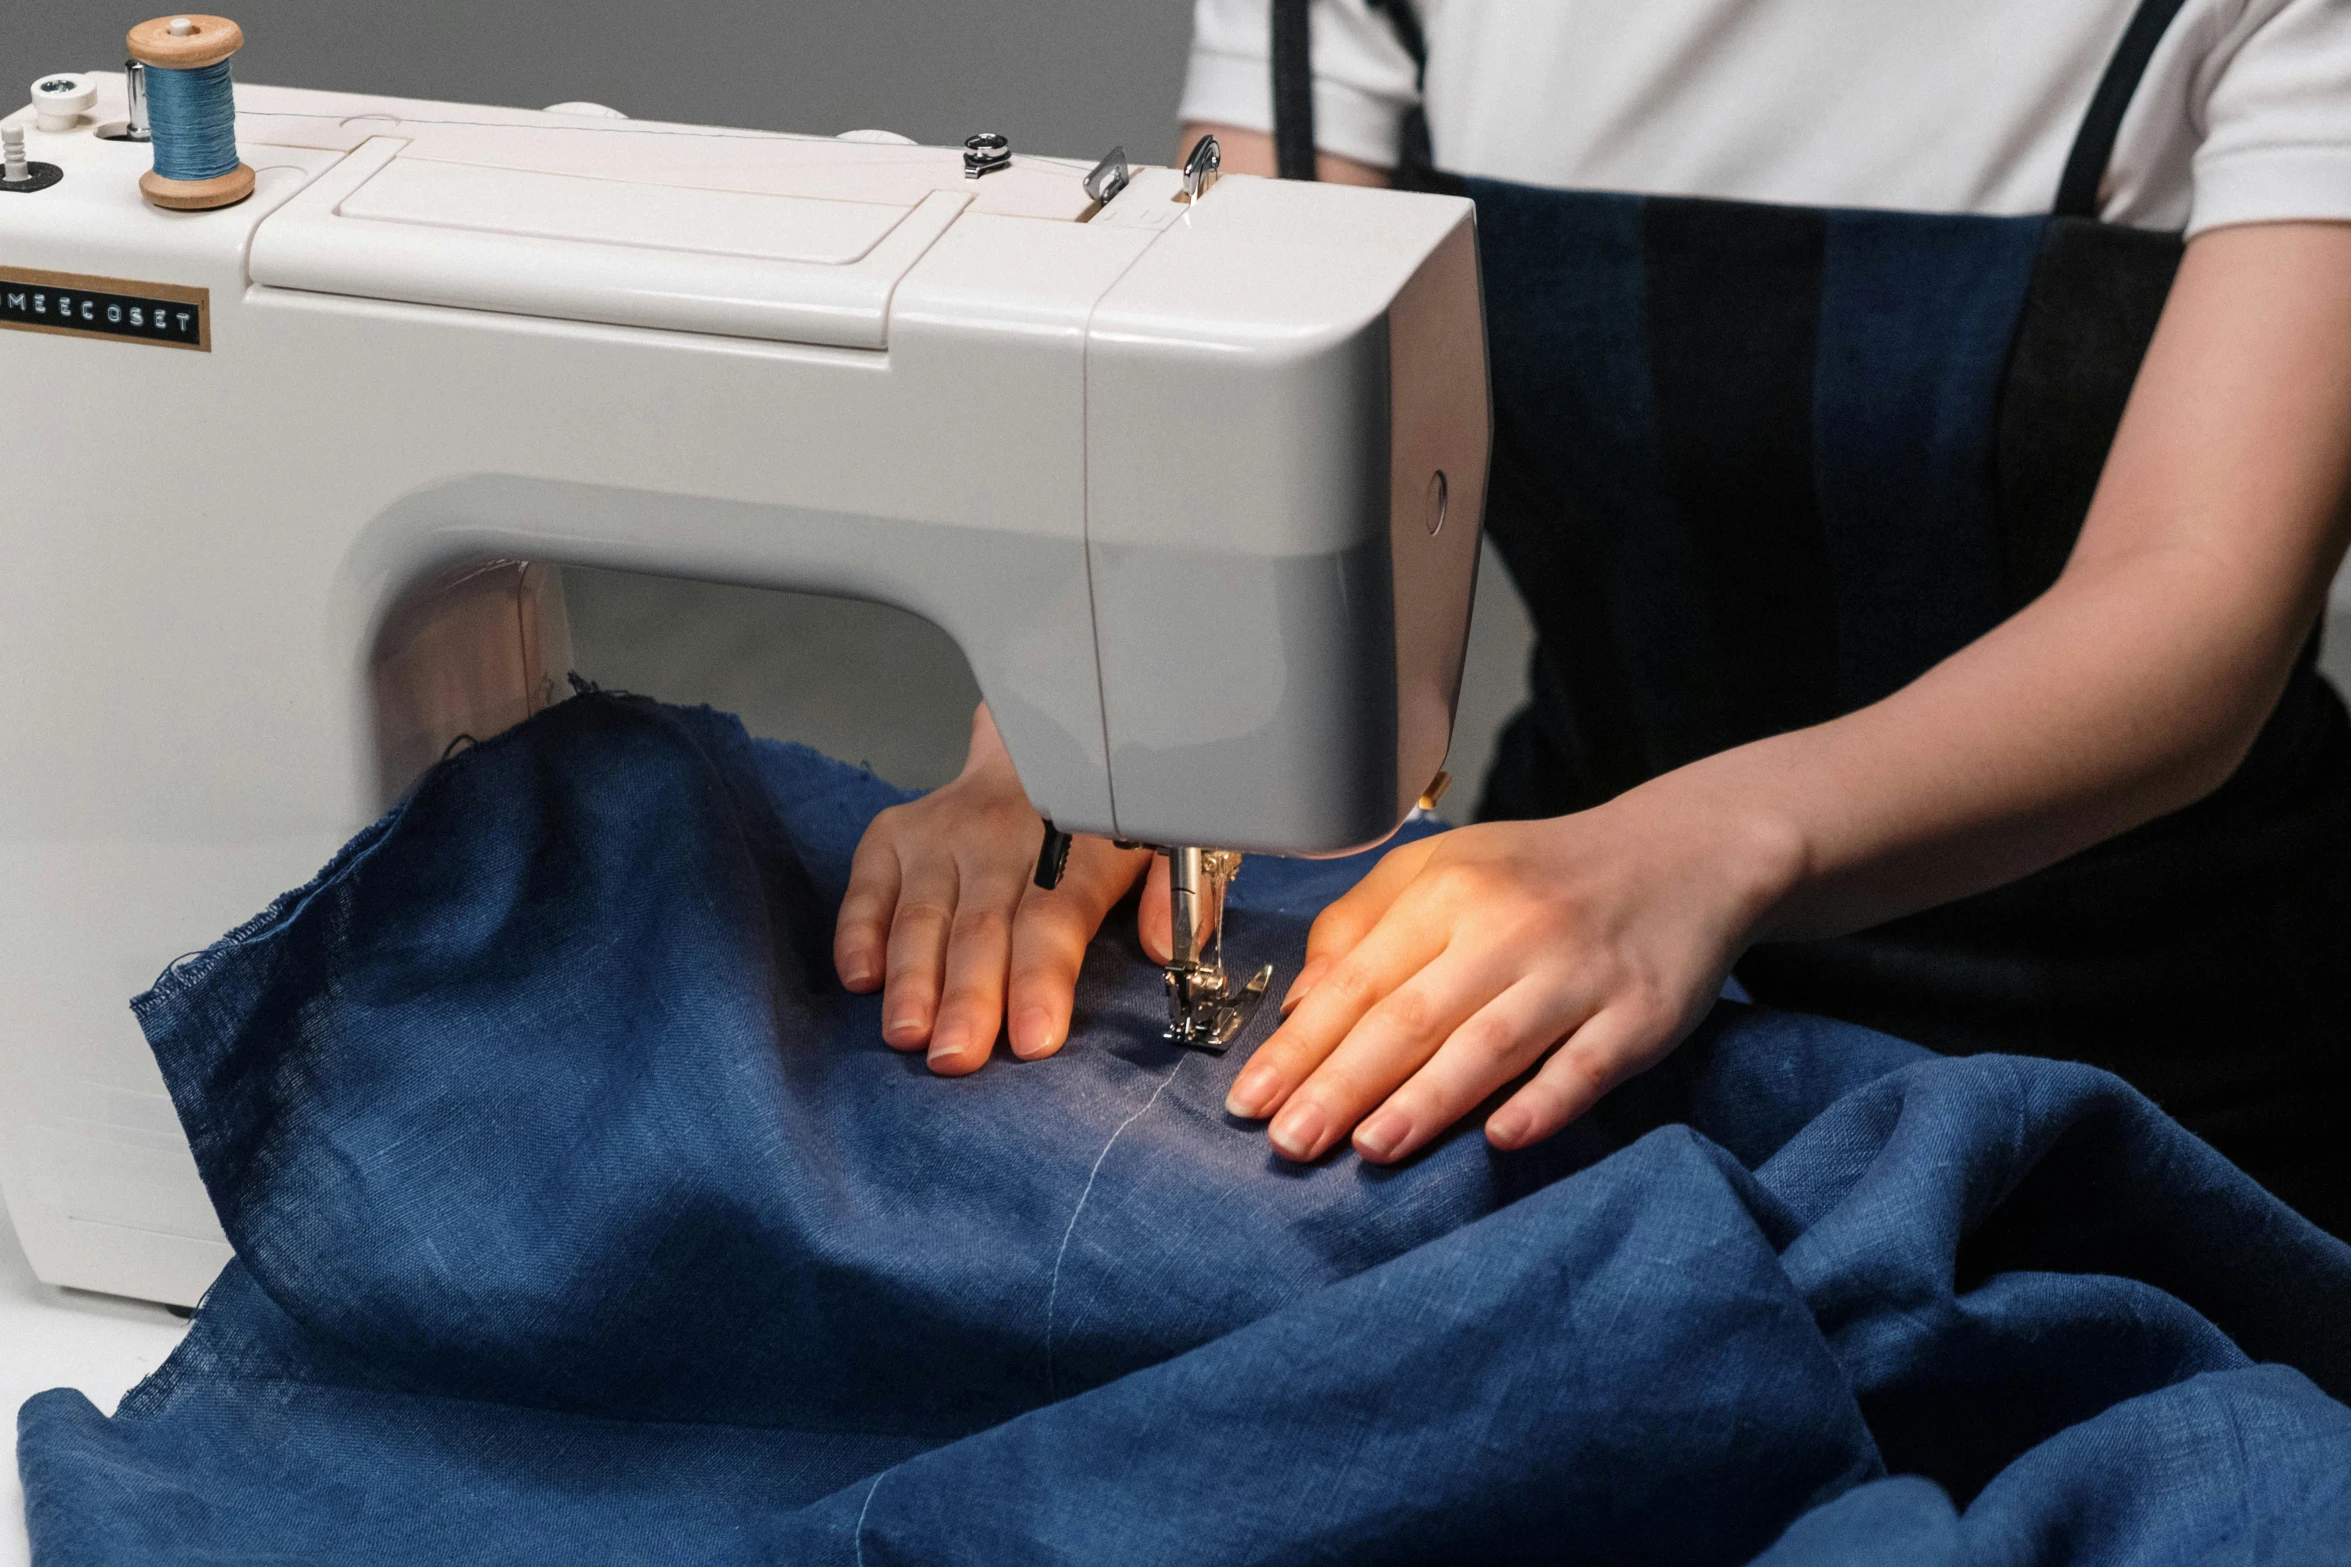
1204,1012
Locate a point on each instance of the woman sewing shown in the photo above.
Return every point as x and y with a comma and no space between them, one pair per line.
1922,441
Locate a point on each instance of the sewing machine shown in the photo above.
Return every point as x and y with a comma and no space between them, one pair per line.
1191,468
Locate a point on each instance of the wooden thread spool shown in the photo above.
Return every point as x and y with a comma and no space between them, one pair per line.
190,43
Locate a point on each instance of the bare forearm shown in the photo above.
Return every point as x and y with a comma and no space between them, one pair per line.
2107,703
2135,685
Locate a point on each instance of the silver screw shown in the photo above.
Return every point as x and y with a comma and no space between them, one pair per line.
985,154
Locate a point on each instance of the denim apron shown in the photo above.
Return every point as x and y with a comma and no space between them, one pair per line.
1756,466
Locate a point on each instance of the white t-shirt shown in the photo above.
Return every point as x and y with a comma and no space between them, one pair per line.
2244,115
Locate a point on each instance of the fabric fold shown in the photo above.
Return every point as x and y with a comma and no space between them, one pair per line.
581,1215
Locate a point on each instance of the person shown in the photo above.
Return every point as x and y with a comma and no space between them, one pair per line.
1922,443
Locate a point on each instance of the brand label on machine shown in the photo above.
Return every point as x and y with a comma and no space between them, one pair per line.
169,314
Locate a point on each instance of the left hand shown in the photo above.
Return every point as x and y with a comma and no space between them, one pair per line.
1462,960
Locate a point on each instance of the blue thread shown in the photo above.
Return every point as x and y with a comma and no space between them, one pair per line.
193,116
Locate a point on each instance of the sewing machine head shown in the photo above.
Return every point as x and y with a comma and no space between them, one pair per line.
1193,477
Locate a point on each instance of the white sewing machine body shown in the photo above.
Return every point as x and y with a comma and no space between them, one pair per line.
1168,473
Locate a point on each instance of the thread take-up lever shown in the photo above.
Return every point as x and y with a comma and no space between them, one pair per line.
1202,167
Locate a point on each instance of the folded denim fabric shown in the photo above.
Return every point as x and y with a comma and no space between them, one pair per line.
581,1216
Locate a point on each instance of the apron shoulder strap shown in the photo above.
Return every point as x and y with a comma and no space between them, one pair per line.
2093,144
1402,17
1293,88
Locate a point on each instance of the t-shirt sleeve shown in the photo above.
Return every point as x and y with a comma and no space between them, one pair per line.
2276,142
1364,82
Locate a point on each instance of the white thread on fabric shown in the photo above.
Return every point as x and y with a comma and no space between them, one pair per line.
857,1536
1053,1290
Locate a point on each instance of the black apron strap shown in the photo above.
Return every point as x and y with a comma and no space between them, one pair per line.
2093,144
1406,21
1293,91
1416,163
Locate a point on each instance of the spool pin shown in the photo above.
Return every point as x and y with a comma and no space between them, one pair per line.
190,42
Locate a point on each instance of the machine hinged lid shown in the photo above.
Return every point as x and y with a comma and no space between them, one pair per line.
540,233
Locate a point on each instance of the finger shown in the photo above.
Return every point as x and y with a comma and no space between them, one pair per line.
1493,1045
918,953
1049,938
1314,970
1398,948
1348,919
1391,1042
1598,1056
979,956
861,935
1155,921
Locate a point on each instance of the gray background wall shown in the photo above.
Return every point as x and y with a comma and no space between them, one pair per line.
1063,76
1070,77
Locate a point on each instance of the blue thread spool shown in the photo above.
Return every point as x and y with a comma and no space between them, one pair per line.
191,111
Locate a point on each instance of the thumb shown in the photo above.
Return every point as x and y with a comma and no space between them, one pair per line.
1155,922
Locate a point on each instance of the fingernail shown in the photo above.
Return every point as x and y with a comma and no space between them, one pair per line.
1383,1134
1299,1131
1509,1127
856,972
1032,1032
903,1025
1302,984
1252,1092
947,1052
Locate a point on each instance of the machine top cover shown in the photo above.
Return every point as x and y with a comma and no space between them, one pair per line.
684,228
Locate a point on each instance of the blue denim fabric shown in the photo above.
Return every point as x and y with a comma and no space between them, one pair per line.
582,1217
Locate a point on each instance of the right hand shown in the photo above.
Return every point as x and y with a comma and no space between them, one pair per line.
943,915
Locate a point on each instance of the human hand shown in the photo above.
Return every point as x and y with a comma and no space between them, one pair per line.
944,916
1597,940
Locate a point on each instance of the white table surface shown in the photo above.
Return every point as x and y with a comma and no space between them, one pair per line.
64,1338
